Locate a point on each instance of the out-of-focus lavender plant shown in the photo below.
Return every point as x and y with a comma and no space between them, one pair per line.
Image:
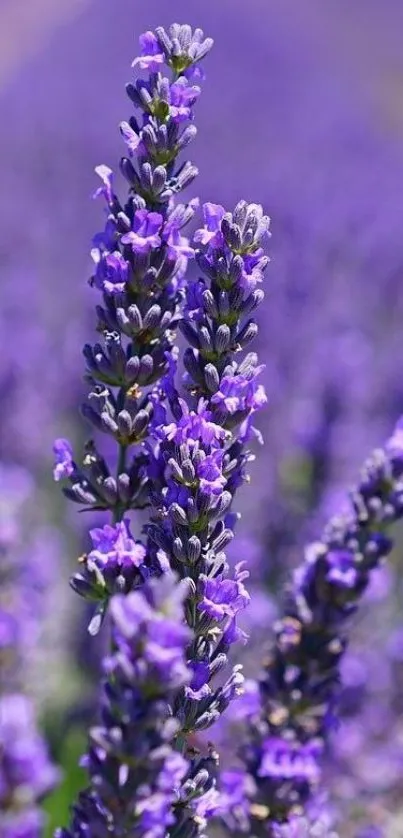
181,457
26,773
300,684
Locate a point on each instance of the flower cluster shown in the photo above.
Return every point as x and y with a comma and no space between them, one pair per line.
140,784
300,684
140,261
182,458
217,322
26,773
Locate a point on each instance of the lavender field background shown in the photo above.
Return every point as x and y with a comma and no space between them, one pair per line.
302,110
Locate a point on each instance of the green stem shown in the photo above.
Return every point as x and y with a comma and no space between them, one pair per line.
118,511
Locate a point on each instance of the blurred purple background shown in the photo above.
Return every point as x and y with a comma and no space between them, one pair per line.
302,111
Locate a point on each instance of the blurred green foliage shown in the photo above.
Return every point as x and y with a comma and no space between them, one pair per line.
74,779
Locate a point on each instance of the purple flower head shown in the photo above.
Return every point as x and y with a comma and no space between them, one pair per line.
240,393
233,634
195,73
132,140
106,175
154,814
283,759
150,627
64,465
178,245
209,472
301,827
165,644
151,57
207,806
105,241
193,309
28,823
254,265
183,47
194,427
236,793
23,751
168,381
174,770
198,688
144,235
111,272
222,597
114,547
341,568
182,98
245,228
211,234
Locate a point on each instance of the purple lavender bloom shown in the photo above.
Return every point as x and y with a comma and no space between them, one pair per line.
151,57
143,674
64,465
236,791
198,688
210,473
24,762
222,597
211,234
144,235
178,245
181,458
182,48
106,175
131,138
341,568
206,807
194,426
254,265
115,563
182,98
282,760
301,827
240,393
300,685
111,272
26,773
113,546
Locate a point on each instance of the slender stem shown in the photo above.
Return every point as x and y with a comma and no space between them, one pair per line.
118,510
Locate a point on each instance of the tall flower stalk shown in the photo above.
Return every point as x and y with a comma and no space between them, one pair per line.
181,454
299,687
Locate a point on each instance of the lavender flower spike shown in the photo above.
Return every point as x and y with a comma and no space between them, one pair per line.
300,683
183,458
140,261
201,453
136,775
26,773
